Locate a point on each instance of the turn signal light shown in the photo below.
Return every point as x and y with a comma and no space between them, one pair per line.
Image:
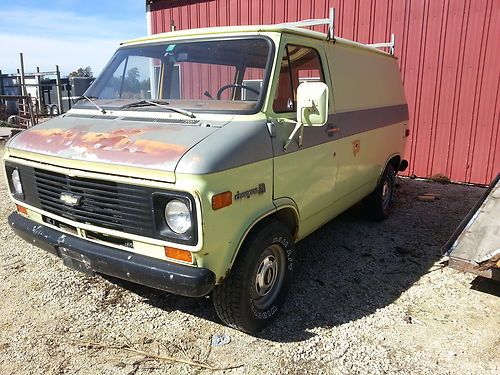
178,254
22,210
222,200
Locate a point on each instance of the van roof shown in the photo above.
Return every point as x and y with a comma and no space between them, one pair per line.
278,28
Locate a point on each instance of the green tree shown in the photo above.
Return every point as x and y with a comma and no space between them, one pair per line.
133,75
82,72
131,84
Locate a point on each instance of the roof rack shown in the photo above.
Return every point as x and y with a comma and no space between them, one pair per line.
391,45
315,22
331,28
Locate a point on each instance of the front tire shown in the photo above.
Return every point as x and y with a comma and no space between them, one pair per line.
378,204
255,290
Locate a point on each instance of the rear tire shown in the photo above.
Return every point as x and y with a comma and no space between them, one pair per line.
255,290
378,204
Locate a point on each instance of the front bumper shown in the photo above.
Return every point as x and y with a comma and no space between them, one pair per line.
90,257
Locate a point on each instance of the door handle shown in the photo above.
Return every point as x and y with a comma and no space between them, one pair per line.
331,130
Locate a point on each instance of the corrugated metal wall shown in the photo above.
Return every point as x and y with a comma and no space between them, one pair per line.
449,55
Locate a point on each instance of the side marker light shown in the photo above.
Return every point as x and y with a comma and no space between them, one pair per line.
222,200
22,210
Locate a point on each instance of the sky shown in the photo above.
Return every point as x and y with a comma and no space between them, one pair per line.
69,33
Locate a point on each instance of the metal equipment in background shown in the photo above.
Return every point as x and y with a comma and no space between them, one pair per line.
25,97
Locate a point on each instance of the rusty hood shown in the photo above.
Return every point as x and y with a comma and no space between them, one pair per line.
140,144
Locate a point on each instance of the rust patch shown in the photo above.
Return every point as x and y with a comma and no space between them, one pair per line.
222,278
124,145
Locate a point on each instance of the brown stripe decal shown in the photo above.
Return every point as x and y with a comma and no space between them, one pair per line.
346,124
354,122
237,144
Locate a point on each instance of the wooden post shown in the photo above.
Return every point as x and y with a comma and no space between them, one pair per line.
59,90
18,82
2,92
2,89
23,83
33,118
39,92
26,102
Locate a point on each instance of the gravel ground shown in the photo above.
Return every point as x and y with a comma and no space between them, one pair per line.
368,298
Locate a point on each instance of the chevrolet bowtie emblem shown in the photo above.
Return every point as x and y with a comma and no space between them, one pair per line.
70,199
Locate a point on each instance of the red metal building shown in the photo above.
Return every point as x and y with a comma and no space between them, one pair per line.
449,56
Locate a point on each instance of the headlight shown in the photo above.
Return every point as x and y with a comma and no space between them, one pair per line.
175,217
178,216
16,182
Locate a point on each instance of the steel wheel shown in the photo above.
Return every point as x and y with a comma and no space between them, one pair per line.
379,203
386,193
269,276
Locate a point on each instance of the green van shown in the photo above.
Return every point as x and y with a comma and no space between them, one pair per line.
198,158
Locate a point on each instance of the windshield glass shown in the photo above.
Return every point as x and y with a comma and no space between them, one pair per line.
224,75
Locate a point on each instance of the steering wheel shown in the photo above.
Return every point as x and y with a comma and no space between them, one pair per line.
225,87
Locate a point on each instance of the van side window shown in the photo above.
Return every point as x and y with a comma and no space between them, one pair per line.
299,64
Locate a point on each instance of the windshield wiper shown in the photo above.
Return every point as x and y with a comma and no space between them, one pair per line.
89,99
161,104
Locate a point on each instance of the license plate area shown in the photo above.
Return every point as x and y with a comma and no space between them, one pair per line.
75,261
59,224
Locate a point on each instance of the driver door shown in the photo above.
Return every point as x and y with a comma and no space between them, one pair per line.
306,175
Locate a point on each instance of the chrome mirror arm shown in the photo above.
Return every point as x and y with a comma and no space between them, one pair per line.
299,128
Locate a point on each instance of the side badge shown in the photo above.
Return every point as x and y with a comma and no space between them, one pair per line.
261,189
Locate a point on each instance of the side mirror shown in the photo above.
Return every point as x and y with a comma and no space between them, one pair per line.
312,103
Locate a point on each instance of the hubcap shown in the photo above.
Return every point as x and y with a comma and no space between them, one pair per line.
269,276
266,275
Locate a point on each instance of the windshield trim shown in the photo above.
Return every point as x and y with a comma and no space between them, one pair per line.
265,82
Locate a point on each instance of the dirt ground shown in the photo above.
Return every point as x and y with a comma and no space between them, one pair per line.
369,298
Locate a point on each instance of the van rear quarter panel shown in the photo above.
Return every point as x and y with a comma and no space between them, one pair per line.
365,80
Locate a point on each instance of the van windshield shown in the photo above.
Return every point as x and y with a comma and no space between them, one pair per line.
215,75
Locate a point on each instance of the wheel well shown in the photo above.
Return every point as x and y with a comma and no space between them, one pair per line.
285,215
395,161
288,217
